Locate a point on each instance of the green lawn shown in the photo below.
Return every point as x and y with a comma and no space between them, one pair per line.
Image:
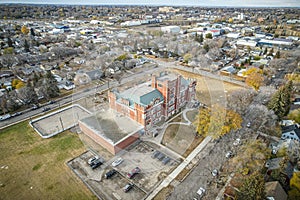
35,168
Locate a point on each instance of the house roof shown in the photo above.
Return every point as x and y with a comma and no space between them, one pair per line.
274,164
274,189
292,128
141,94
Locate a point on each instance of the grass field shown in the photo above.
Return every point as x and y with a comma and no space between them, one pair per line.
35,168
210,91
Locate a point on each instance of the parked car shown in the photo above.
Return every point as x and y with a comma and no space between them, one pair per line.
46,109
117,162
249,125
92,159
96,163
229,154
215,172
34,107
155,154
237,142
166,160
51,102
110,173
4,117
161,156
16,114
201,192
128,187
133,172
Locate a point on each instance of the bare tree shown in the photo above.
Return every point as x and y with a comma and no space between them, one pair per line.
240,100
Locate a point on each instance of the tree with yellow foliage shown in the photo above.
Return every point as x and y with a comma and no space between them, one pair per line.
254,78
217,121
203,121
17,84
24,30
294,193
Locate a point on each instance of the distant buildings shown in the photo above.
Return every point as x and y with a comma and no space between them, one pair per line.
170,29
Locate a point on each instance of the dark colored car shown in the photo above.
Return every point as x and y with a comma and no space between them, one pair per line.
51,102
34,107
46,109
110,173
166,160
155,154
128,187
133,172
161,156
96,163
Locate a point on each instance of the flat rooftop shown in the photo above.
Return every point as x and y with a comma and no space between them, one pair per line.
111,125
167,76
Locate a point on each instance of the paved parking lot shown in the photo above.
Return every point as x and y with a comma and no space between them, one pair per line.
139,155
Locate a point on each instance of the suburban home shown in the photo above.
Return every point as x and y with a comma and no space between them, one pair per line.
274,191
274,166
228,70
291,132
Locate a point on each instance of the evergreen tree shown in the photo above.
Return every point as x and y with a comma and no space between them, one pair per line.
32,32
277,55
280,101
9,42
266,51
26,46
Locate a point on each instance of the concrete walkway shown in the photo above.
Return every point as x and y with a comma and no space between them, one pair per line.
175,173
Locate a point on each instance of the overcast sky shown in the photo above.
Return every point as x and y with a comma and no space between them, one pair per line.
229,3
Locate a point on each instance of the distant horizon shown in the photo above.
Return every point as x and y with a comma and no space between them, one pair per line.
199,3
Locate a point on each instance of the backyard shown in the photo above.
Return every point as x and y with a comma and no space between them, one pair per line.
35,168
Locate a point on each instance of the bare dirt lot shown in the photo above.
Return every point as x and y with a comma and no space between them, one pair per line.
138,155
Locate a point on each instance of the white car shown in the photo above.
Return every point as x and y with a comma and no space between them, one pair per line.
229,154
237,142
92,159
117,162
215,172
249,125
201,192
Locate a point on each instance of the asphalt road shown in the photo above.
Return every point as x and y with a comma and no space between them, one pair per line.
27,114
212,157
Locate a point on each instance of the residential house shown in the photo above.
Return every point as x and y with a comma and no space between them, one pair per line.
283,167
274,191
291,132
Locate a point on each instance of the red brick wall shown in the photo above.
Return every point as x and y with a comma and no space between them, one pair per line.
86,130
112,100
125,143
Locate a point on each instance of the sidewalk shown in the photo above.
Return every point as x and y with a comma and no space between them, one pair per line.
175,173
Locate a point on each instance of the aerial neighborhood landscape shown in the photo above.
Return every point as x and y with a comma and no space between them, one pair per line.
154,101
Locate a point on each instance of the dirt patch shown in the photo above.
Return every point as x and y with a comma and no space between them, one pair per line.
179,137
192,115
164,193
